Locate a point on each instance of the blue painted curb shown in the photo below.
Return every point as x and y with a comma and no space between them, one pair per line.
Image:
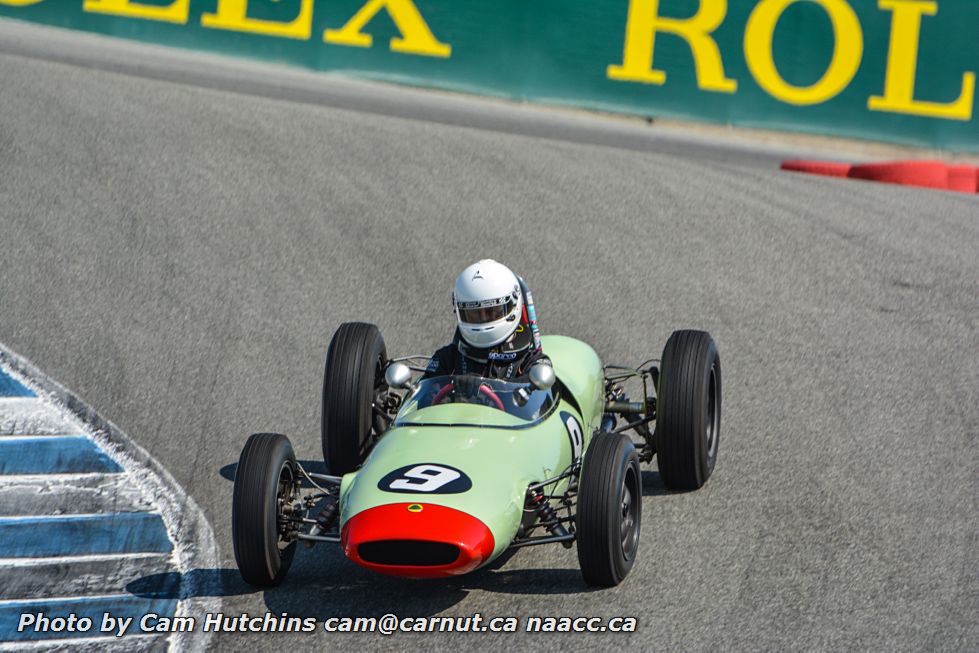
12,388
74,535
54,455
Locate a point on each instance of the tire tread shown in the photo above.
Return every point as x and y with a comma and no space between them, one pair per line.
348,385
261,458
681,419
595,520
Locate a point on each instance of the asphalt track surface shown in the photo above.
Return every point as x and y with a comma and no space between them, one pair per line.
178,250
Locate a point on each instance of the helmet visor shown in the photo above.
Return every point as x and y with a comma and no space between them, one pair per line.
485,312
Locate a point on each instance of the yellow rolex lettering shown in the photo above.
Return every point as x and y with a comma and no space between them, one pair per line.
642,25
233,15
19,3
416,37
175,12
847,51
902,62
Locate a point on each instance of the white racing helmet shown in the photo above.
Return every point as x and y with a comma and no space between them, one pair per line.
488,303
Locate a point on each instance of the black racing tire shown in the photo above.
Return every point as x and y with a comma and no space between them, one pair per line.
688,410
353,378
609,510
265,477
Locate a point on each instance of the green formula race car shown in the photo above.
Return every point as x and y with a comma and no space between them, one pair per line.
439,476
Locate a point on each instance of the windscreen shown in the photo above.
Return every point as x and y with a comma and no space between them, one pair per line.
486,396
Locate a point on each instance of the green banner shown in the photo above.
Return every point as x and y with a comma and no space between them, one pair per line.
896,70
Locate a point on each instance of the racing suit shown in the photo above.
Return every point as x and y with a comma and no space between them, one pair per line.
510,360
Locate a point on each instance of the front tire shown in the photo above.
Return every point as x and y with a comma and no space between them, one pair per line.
265,480
352,382
688,410
609,510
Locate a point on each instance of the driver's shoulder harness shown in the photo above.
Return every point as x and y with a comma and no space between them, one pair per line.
510,360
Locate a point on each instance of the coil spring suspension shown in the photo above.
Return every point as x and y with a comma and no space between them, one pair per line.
548,517
327,517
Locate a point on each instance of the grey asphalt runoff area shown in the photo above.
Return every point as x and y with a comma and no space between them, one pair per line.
178,243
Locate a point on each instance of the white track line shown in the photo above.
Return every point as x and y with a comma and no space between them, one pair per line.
28,562
9,479
145,575
80,515
133,643
66,494
50,599
34,416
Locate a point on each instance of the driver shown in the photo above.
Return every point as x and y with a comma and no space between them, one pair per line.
497,334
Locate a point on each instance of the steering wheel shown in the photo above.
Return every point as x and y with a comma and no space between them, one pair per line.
484,389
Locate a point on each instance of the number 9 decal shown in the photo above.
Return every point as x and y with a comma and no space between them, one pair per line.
575,434
427,478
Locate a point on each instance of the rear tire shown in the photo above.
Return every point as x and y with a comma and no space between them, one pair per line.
353,378
688,410
265,477
609,510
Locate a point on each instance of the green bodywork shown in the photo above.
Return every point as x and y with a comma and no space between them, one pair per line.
500,460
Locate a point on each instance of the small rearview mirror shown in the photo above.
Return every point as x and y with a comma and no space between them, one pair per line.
398,375
542,376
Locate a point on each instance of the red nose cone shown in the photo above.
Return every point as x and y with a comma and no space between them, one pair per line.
416,540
